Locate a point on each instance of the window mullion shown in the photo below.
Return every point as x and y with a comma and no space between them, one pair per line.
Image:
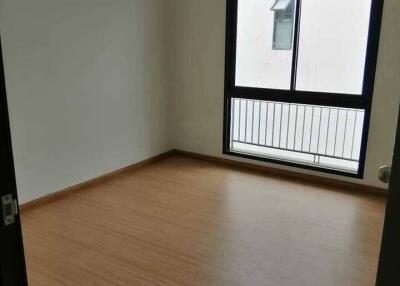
295,45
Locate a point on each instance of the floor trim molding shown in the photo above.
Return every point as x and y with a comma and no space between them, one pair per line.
299,177
292,175
95,181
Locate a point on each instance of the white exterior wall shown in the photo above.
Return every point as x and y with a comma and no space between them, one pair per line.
257,64
332,46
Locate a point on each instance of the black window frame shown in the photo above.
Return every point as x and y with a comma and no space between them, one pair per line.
363,101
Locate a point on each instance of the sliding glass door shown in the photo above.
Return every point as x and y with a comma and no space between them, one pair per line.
299,81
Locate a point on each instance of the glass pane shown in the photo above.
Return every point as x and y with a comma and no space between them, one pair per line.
332,45
283,35
258,63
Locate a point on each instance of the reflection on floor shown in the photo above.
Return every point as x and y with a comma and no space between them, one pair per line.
187,222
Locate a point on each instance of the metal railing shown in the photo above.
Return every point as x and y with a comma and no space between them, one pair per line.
321,131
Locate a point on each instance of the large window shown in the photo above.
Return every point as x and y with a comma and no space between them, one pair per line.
299,81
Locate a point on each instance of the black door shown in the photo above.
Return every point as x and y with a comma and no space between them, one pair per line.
389,261
12,261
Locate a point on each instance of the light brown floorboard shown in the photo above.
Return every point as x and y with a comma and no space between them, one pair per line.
187,222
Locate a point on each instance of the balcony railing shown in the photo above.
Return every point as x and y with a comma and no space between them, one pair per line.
317,135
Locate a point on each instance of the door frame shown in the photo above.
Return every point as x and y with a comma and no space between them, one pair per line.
389,263
12,258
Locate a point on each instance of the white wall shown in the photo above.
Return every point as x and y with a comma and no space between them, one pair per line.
199,73
86,83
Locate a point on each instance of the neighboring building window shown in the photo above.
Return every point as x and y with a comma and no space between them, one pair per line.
283,25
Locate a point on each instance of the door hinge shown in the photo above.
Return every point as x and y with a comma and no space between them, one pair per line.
10,209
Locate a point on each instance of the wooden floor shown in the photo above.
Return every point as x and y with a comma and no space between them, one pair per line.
187,222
